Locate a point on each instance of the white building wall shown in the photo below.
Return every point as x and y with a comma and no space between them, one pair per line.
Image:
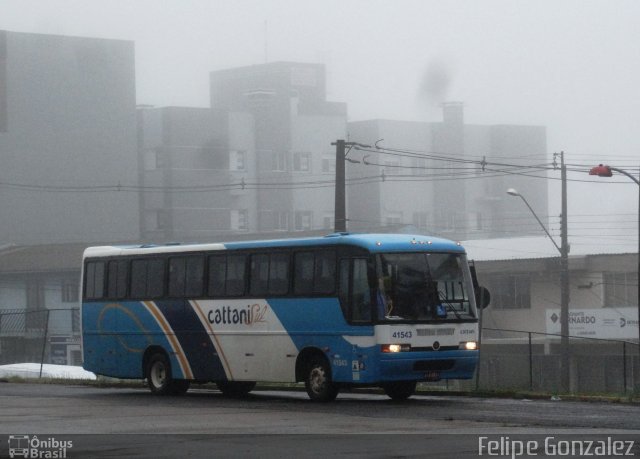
313,135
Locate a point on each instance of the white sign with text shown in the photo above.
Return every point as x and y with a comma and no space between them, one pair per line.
603,323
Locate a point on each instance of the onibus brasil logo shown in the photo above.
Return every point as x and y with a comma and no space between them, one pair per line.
31,446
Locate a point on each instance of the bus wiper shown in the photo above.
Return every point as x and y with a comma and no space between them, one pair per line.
449,306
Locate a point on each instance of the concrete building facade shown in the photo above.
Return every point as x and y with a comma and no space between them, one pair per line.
294,126
259,160
67,128
437,183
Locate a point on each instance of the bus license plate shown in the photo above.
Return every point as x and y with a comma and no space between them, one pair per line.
432,375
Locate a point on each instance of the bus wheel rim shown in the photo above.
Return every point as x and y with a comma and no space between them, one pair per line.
318,380
158,374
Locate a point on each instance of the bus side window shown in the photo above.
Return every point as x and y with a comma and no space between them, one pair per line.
235,275
303,274
361,293
269,274
185,276
315,272
343,287
279,274
194,276
325,272
259,280
147,278
177,274
217,275
354,291
94,280
138,278
117,279
155,278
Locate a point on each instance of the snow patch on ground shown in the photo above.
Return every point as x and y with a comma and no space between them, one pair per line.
32,370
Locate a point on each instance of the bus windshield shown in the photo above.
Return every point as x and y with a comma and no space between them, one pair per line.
423,287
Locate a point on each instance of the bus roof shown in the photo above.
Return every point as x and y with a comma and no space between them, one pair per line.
370,242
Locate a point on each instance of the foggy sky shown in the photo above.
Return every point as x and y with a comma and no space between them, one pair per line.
572,66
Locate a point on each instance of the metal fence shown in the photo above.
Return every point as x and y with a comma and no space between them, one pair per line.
509,359
515,359
40,336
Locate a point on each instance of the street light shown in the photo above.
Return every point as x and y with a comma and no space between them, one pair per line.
514,192
607,171
564,284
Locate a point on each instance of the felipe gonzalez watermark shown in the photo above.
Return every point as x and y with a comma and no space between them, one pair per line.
30,446
502,446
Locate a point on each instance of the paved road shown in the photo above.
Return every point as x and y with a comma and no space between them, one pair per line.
133,423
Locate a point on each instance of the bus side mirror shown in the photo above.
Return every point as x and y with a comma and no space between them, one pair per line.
483,296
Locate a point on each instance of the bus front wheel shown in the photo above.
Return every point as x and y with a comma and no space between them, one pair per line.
318,382
400,390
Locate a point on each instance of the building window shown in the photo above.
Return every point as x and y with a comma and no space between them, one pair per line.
302,162
303,220
237,160
445,220
327,222
420,220
510,291
329,164
69,291
393,219
620,289
281,220
479,220
240,219
161,220
160,158
279,161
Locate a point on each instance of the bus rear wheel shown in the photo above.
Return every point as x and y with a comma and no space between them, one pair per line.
159,379
235,388
400,390
318,383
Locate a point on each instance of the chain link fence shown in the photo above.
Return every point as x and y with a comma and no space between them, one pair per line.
40,336
509,359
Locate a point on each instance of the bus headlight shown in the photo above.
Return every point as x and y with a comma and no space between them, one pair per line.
469,345
386,348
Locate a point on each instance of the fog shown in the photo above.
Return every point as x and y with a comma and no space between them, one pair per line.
572,66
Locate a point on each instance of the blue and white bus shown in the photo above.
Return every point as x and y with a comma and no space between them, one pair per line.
333,312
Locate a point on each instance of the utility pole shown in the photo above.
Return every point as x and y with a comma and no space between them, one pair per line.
340,215
340,209
564,285
563,248
606,171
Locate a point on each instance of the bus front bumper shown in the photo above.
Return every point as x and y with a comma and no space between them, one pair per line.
428,366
